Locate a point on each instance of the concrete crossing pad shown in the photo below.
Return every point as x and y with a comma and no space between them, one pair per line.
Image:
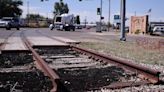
44,41
39,40
66,40
14,43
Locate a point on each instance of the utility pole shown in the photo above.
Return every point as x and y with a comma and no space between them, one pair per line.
85,21
109,14
123,15
0,9
28,12
135,14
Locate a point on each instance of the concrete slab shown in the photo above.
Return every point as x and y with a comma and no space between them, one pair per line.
39,40
44,41
66,40
72,65
105,33
14,43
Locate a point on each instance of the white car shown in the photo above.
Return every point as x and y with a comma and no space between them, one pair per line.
3,23
9,22
51,26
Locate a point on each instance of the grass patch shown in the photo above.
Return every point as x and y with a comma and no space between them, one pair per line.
127,50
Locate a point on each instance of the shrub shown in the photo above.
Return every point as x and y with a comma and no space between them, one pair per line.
137,31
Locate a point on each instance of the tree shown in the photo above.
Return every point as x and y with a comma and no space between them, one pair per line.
10,8
109,24
60,8
34,17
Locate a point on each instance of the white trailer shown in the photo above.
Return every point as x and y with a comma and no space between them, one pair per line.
64,22
156,28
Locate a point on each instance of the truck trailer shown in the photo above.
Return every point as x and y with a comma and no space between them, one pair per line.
64,22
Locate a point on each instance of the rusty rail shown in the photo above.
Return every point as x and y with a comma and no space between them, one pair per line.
42,64
144,72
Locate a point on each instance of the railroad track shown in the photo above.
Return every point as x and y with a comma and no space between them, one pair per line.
42,64
146,73
74,69
148,76
18,72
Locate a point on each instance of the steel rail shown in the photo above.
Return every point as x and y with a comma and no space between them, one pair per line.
144,72
43,65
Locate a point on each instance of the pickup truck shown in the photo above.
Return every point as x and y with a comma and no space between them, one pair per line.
9,22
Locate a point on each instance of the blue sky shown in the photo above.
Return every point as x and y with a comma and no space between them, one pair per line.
87,8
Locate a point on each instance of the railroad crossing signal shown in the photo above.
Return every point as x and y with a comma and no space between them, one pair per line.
102,18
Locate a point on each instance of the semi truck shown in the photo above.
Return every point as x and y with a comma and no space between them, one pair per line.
64,22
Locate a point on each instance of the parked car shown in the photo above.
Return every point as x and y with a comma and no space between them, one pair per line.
51,26
127,29
104,28
9,22
3,23
158,30
78,26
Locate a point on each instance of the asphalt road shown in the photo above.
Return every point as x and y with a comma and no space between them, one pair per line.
80,34
91,34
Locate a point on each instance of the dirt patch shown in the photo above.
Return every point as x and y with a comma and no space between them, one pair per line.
81,80
19,74
33,81
14,59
